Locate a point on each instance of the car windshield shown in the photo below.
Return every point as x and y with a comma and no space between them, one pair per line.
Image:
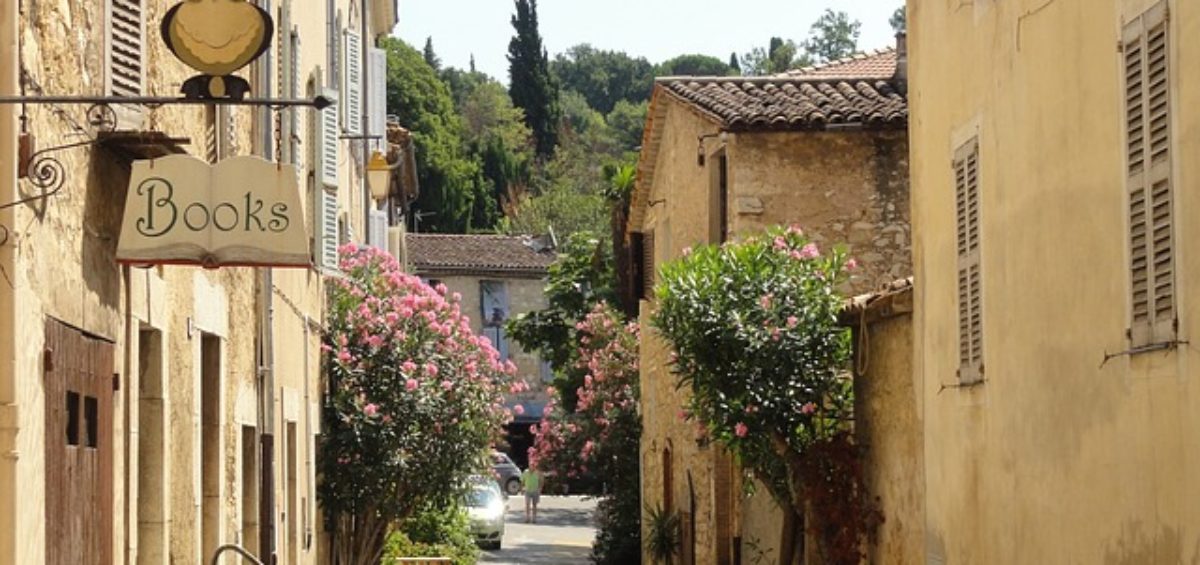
500,459
480,497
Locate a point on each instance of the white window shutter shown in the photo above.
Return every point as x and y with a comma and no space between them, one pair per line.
352,83
125,50
377,233
324,141
378,97
293,132
325,228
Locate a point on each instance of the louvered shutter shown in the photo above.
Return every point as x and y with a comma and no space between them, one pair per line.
325,228
377,78
125,34
970,277
377,232
323,142
352,80
1150,186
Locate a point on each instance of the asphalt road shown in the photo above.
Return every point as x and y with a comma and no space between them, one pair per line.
562,535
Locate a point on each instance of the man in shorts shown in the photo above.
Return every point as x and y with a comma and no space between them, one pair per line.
531,481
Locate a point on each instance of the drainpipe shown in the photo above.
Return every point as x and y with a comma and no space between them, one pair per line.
266,419
368,41
9,418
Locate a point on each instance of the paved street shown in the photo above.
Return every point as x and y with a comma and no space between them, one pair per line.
562,535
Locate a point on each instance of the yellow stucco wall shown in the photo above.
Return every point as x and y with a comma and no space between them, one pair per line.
1056,457
59,262
847,187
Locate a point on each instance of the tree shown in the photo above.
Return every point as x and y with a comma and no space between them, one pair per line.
626,122
832,36
693,65
415,402
532,88
603,77
779,56
899,20
449,178
431,58
756,340
734,64
600,436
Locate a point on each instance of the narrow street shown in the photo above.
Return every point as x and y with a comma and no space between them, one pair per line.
562,535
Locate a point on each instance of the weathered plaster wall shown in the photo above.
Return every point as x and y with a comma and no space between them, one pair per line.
888,426
524,295
1056,457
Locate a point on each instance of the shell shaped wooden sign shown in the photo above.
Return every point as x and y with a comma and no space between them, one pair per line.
243,211
217,37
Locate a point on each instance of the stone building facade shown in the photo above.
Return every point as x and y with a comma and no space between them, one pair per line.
725,157
1061,400
158,375
498,278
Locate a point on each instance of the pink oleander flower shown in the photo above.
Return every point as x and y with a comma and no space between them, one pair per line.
810,251
792,321
808,408
370,410
411,385
765,301
447,385
780,243
851,264
408,367
740,430
343,356
431,369
518,409
687,251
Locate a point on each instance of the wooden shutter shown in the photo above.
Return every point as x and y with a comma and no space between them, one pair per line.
970,277
325,228
377,231
323,142
125,34
648,265
377,79
1146,64
352,79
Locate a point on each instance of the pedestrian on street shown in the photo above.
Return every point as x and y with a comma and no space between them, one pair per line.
531,481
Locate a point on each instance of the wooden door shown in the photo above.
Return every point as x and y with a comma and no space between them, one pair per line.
78,371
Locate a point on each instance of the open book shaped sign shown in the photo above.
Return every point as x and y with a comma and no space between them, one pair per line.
243,211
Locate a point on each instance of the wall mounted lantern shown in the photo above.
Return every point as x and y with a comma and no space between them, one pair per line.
379,176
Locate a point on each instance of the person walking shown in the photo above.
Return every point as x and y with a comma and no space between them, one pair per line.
531,481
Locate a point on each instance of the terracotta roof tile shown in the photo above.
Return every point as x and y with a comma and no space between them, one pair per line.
792,103
438,253
877,65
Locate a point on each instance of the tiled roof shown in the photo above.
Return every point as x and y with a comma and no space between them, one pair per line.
468,254
792,103
877,65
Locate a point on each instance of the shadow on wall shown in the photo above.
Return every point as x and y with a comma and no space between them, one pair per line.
103,210
1137,547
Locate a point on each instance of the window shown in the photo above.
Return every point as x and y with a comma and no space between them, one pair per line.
494,312
718,199
1145,49
970,279
125,34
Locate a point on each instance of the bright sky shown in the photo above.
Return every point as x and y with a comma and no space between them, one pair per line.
655,29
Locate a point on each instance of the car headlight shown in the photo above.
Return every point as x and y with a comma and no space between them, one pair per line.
495,510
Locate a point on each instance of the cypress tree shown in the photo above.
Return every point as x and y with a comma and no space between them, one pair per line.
733,64
531,86
430,57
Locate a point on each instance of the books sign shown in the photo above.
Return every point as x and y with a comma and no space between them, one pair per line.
242,211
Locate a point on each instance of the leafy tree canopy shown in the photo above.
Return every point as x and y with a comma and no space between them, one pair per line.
693,65
449,178
604,77
626,121
899,20
833,36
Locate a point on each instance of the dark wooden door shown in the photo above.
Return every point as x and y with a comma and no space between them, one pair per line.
78,370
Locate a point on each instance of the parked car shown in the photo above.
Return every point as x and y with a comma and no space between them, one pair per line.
486,507
508,475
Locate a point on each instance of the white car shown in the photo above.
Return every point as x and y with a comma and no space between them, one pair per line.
486,506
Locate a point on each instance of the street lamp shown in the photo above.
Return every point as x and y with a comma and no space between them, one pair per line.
379,176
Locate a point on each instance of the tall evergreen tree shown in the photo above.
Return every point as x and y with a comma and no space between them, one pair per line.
531,86
733,64
431,58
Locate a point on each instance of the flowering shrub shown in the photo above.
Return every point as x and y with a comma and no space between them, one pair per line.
600,437
415,400
756,339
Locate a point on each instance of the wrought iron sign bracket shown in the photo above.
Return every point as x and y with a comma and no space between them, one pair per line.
47,174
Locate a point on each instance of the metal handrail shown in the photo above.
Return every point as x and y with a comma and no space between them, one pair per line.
236,548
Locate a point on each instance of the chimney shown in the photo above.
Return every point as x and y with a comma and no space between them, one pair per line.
901,76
